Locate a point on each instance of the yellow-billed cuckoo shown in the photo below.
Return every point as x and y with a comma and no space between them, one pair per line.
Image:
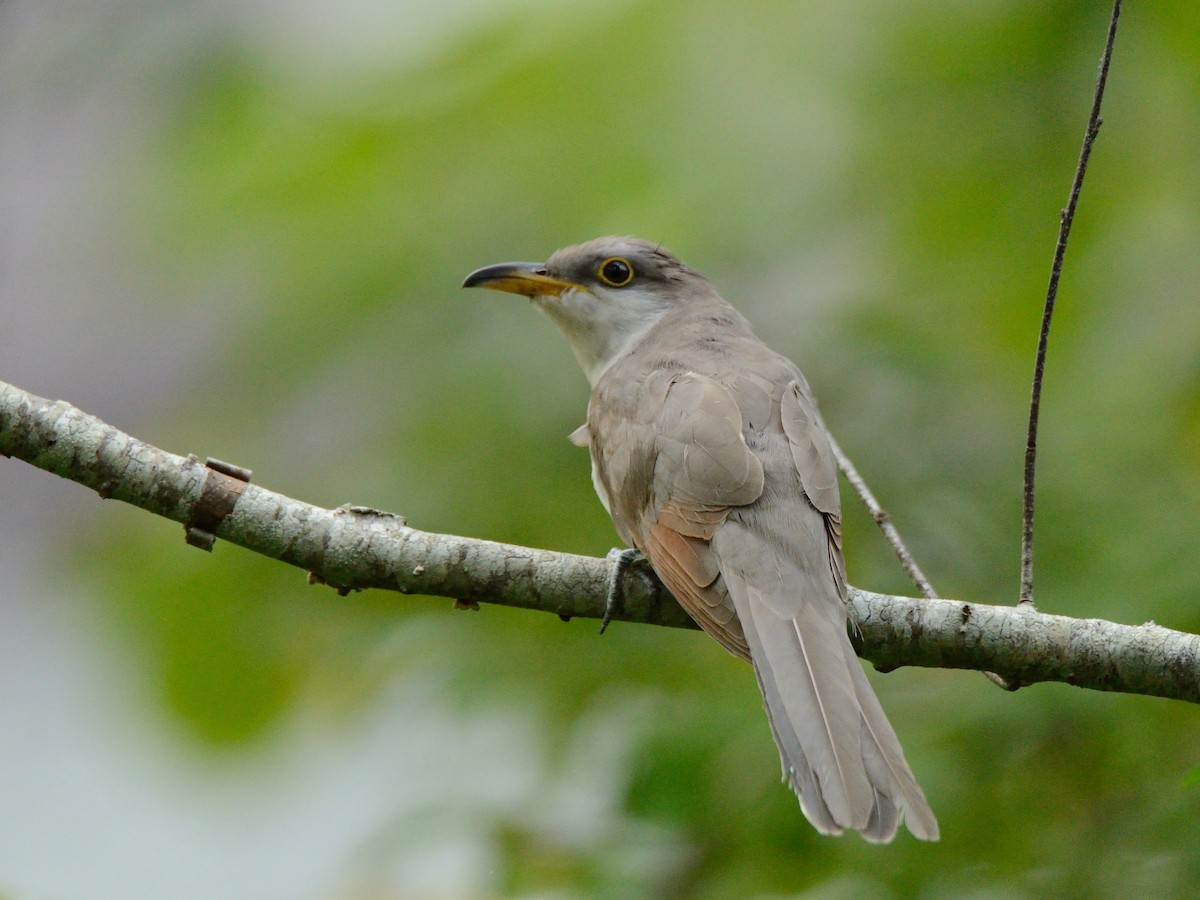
709,454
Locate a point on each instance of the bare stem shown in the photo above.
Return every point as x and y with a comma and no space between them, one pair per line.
1066,218
881,517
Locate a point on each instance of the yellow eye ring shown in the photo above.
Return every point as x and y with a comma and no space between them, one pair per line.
615,271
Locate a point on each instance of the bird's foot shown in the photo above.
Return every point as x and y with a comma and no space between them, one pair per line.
615,601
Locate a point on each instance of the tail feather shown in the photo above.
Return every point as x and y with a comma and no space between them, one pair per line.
797,773
838,750
813,703
886,764
885,819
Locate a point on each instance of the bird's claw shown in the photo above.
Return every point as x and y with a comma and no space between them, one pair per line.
615,600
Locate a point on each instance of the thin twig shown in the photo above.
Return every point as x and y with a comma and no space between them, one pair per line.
883,520
1066,218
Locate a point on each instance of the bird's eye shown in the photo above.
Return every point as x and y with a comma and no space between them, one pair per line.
616,272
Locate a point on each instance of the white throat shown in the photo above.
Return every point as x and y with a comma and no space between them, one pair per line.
604,329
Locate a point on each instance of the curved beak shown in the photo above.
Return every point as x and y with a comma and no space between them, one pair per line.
525,278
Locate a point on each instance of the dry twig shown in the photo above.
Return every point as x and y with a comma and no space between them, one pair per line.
1064,231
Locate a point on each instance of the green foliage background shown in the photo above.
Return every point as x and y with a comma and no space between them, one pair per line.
877,187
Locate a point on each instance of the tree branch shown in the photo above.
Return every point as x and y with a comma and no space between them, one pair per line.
354,548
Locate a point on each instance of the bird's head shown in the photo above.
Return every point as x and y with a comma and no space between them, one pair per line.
605,295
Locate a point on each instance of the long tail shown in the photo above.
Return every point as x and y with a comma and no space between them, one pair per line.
839,752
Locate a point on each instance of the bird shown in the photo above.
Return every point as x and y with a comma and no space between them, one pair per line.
709,454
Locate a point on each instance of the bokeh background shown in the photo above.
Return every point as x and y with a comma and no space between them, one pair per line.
238,230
